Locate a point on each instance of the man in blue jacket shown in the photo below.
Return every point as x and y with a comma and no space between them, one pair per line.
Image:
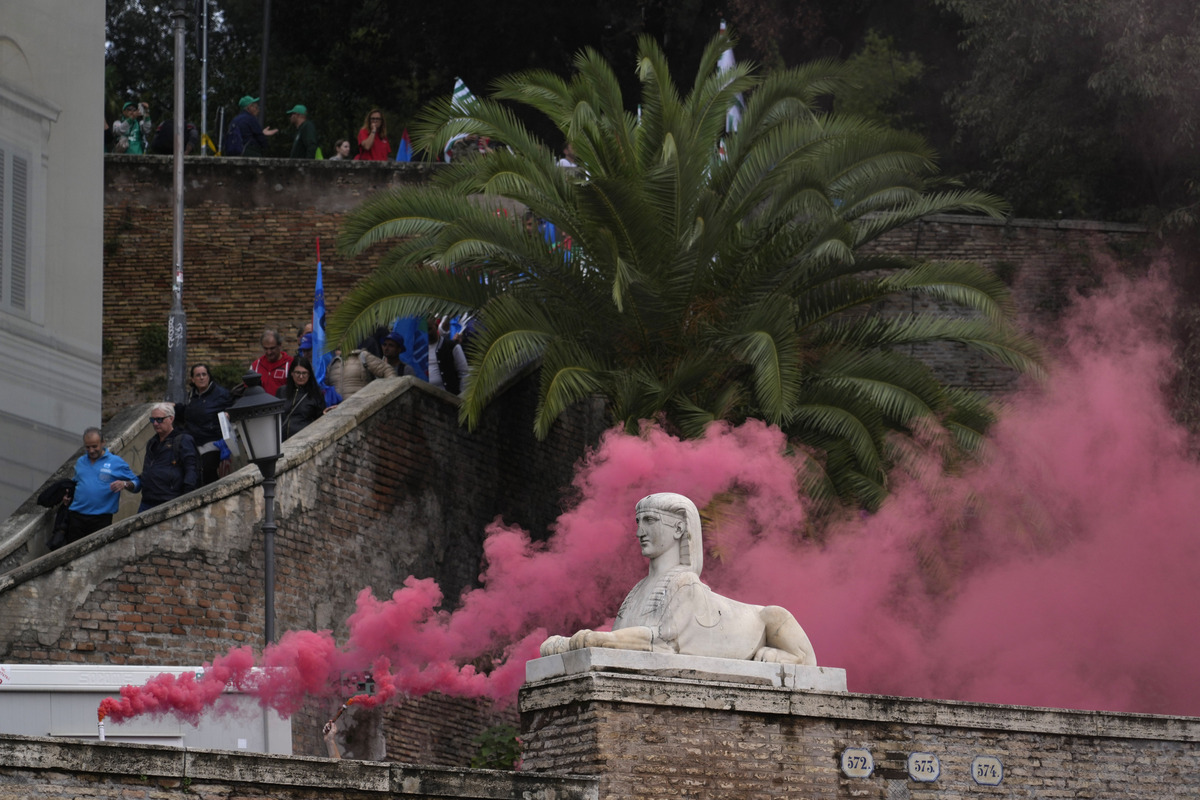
250,132
99,478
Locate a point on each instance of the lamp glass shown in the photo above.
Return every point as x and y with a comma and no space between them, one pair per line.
261,435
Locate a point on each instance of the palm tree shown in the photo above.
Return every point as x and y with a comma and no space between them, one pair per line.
699,287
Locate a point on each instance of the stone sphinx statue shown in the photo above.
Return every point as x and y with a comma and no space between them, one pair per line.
671,611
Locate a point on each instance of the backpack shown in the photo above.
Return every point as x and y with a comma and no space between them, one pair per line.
233,144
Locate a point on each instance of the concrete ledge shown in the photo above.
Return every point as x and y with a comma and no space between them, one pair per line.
1046,224
666,665
677,692
276,776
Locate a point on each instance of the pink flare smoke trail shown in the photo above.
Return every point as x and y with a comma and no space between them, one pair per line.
1059,571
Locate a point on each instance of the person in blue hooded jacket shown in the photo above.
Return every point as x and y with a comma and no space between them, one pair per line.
99,478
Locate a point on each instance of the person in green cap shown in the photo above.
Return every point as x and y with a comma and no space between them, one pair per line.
246,136
133,129
305,143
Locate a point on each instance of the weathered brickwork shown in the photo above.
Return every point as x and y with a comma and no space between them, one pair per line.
441,721
385,486
1044,263
250,254
249,260
33,768
666,738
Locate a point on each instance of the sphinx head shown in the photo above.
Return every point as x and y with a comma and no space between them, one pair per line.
680,511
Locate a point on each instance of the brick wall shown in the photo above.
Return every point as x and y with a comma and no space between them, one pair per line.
249,260
384,486
668,737
250,254
33,768
1042,262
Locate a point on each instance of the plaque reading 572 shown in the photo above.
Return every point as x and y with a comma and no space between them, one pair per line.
857,763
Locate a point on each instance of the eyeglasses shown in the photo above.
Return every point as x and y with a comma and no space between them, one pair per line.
376,119
159,420
300,373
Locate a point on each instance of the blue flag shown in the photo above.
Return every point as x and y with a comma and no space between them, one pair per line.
321,359
404,150
416,344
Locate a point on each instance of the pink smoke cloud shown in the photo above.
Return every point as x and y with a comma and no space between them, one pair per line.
1059,571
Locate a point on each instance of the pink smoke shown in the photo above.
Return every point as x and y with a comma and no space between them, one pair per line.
1058,572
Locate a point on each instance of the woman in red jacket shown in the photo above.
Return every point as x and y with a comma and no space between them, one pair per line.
372,139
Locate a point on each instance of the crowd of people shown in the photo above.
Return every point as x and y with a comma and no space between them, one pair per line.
188,449
134,133
246,136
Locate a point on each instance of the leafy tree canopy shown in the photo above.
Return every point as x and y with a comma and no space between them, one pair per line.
1078,108
697,288
1081,107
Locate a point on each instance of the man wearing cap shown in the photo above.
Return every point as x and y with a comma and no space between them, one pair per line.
305,143
253,134
133,129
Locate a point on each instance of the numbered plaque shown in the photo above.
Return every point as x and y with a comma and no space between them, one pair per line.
987,771
857,763
924,767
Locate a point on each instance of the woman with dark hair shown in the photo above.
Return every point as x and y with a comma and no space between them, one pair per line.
197,416
341,150
305,400
372,139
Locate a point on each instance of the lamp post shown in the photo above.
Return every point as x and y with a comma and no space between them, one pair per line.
258,417
177,319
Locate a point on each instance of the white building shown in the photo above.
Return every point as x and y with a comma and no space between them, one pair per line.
51,235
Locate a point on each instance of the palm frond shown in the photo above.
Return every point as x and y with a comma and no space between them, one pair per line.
697,288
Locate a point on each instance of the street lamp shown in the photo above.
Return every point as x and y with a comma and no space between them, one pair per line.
258,418
177,319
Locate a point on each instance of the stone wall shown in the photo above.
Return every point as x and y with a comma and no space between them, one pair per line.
250,257
249,261
33,768
385,486
657,736
1044,263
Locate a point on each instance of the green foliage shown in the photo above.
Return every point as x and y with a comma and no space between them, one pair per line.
499,748
152,346
698,288
879,75
228,374
340,59
1081,107
153,387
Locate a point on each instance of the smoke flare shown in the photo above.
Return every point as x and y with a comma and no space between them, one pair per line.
1060,571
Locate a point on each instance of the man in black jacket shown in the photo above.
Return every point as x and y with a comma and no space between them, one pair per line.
171,464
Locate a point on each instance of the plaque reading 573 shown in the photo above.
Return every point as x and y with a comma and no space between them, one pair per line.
924,767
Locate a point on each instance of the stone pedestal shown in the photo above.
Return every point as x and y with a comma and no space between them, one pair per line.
687,668
655,726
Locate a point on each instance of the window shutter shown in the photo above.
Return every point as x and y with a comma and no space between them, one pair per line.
19,268
3,226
